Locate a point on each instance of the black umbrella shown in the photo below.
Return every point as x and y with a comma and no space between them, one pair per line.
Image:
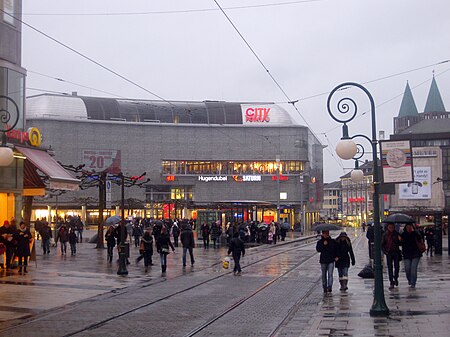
399,218
326,227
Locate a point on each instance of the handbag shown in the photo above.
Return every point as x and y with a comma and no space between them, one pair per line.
141,248
165,250
421,246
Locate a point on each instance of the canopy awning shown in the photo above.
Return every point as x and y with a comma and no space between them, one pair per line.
59,178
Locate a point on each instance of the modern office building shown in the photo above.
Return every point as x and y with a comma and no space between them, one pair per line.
238,161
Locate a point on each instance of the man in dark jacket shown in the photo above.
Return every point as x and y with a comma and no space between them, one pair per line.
188,243
46,235
328,250
237,248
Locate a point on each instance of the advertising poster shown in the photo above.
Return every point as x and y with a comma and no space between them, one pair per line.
420,188
396,161
102,160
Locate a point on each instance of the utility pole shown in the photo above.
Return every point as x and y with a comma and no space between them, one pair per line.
101,206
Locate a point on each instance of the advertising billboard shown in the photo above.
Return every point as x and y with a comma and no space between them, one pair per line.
420,188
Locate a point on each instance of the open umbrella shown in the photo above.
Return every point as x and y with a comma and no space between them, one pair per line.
399,218
326,227
112,220
426,224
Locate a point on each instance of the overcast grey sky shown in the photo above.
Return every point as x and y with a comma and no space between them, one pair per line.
188,50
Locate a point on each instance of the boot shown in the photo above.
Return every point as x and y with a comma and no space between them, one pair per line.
341,282
25,270
20,270
345,284
164,268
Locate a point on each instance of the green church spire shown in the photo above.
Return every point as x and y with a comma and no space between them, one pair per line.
408,106
434,100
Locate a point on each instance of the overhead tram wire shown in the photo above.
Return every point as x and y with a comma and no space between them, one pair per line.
293,102
87,58
372,81
77,84
175,11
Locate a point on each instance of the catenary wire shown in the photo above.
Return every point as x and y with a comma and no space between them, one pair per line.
175,11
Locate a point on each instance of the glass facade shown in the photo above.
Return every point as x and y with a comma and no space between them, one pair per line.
12,85
187,167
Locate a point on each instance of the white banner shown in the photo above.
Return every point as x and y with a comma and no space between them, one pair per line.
420,188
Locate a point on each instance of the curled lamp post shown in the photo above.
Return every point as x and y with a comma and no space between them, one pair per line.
7,122
347,108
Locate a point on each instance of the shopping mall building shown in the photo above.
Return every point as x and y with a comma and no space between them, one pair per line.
223,160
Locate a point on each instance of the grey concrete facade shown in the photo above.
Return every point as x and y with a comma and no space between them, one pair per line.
144,146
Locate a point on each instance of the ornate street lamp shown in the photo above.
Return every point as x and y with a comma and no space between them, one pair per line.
7,123
347,108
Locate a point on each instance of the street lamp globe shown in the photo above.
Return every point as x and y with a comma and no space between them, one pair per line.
346,149
6,156
357,175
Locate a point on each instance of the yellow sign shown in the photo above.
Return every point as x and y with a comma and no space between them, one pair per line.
34,137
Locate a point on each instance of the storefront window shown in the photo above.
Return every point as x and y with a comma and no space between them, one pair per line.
8,11
173,167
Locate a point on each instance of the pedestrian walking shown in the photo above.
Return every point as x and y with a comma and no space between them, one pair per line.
345,254
46,235
188,243
7,234
23,238
163,244
73,240
370,235
429,235
79,227
175,233
205,235
137,233
214,233
410,241
146,249
63,237
110,238
390,244
236,248
328,250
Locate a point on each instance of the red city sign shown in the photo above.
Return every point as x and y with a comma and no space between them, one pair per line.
170,178
282,178
257,115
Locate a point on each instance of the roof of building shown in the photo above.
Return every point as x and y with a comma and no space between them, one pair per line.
434,101
408,106
53,106
439,125
366,167
332,185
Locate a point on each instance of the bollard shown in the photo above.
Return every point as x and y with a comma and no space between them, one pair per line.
122,260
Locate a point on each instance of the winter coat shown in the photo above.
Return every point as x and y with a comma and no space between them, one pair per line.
110,239
163,241
345,253
23,238
175,230
214,232
409,244
45,232
137,231
73,237
187,238
395,248
63,235
236,247
328,252
147,241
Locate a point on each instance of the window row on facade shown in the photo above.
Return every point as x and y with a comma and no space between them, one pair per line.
185,167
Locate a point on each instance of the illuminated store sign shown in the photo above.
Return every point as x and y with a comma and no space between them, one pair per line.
282,177
257,115
246,178
31,136
264,115
212,178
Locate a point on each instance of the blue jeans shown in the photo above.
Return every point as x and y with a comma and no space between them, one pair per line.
191,254
343,272
46,245
411,270
163,258
327,274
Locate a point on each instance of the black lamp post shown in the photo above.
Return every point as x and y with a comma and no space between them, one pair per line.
123,230
8,121
347,149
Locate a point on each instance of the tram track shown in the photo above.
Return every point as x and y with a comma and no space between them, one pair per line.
264,250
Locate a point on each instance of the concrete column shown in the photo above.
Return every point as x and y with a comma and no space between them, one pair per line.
83,214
